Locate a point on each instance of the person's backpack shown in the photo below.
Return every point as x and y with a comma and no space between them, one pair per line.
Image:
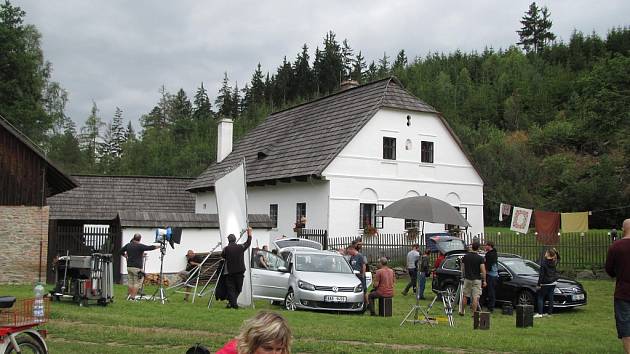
198,349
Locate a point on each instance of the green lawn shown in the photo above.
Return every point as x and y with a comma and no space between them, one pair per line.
150,327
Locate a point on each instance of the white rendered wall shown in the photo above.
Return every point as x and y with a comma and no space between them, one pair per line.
359,174
314,193
198,240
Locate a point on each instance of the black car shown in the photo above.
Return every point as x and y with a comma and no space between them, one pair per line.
516,283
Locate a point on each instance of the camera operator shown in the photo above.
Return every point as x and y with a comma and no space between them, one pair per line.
235,267
133,252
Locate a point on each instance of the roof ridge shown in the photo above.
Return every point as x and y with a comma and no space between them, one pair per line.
130,176
331,95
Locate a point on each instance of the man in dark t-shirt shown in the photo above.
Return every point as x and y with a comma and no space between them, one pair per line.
618,266
133,252
474,272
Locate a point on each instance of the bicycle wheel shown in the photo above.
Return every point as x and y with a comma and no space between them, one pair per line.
27,344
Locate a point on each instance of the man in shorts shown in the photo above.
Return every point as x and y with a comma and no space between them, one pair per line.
618,266
474,273
133,252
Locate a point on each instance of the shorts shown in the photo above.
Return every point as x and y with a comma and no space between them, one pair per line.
472,288
622,318
134,280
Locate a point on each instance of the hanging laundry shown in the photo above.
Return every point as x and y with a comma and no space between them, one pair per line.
575,222
520,220
547,227
504,209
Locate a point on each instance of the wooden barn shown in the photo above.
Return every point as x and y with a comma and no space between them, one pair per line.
27,178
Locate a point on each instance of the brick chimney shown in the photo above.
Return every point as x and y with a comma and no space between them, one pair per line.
224,138
348,84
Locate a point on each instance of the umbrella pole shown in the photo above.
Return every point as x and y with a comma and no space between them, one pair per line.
422,234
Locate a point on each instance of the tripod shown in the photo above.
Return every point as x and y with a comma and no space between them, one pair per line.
416,309
160,288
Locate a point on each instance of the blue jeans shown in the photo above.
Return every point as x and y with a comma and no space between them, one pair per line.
491,289
545,293
422,280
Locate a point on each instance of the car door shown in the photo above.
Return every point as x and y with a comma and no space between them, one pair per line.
506,289
272,281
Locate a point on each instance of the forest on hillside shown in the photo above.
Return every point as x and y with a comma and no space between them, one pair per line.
547,123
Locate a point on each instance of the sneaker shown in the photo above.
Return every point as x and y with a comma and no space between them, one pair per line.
538,315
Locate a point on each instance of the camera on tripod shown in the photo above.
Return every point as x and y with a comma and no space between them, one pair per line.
172,235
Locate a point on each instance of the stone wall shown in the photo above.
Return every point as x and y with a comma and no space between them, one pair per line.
21,229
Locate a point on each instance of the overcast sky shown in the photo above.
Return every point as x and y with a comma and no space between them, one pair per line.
119,53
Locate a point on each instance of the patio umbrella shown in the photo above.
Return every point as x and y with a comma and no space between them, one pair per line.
424,208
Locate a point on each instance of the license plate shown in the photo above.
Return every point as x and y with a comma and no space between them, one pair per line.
332,298
577,297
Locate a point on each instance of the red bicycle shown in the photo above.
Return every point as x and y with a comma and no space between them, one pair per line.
18,326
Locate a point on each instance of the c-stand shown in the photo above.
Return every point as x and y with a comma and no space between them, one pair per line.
160,288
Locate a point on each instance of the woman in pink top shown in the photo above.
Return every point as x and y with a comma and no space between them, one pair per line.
383,284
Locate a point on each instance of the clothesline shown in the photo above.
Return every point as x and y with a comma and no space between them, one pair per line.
591,211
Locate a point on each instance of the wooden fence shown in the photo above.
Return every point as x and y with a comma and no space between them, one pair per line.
577,250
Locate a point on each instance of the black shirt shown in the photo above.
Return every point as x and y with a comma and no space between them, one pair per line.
233,255
196,258
472,266
134,253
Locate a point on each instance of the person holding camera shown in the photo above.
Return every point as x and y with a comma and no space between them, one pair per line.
133,252
234,267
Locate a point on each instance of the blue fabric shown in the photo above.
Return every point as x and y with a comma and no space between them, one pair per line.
545,293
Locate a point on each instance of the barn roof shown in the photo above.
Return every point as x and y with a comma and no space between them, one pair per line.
56,179
303,140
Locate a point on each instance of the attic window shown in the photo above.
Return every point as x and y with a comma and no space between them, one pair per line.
408,121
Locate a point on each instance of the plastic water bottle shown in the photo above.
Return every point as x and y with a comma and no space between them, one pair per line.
38,304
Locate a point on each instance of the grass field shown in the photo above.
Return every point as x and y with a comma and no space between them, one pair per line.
150,327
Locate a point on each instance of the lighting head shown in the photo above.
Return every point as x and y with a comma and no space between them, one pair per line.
163,235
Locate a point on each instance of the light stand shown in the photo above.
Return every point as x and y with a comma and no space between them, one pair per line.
160,288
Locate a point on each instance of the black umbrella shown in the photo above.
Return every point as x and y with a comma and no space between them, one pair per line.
424,208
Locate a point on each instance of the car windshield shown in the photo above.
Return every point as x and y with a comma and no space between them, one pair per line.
325,263
520,266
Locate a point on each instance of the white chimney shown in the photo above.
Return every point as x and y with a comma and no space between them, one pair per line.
224,141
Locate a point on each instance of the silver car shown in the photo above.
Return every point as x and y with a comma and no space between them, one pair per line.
302,276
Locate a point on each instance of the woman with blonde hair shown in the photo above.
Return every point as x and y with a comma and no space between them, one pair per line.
265,333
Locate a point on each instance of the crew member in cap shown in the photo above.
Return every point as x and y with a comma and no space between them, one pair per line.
234,269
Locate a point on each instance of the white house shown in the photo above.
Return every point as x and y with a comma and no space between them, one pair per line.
339,159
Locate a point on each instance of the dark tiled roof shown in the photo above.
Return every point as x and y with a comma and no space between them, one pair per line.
191,220
303,140
56,179
103,197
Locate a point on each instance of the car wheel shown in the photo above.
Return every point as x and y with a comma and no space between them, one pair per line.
451,293
525,297
289,301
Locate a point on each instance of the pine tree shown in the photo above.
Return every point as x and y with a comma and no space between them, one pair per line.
535,33
91,135
257,89
372,72
118,134
224,98
283,82
202,109
303,76
235,112
347,58
358,69
328,64
130,133
401,61
383,66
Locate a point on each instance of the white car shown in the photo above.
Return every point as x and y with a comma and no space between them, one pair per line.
303,276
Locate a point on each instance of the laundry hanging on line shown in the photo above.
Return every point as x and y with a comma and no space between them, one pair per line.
504,209
575,222
521,218
547,224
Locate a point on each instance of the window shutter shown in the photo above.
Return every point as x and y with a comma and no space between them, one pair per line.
360,215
